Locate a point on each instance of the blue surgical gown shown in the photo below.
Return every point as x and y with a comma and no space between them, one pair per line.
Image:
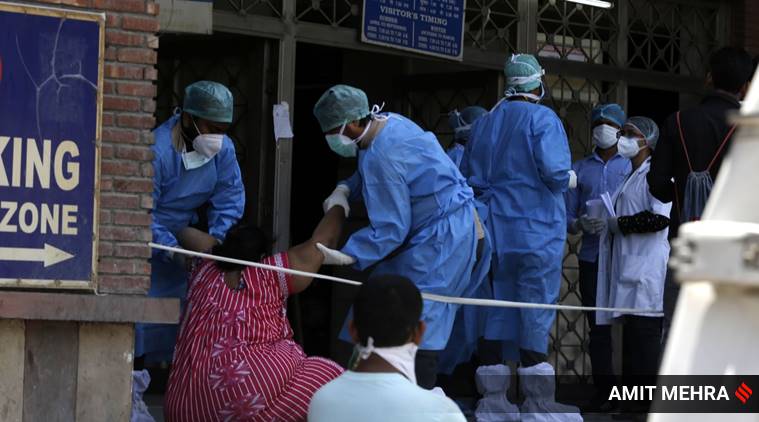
456,152
177,195
422,220
517,161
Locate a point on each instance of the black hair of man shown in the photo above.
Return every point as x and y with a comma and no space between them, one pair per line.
246,242
731,68
387,309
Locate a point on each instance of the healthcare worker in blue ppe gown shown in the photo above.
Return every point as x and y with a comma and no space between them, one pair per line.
423,223
461,123
518,163
194,163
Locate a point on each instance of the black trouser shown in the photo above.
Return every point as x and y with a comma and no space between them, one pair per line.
425,367
600,335
641,346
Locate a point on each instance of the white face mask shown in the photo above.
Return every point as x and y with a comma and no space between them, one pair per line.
628,147
193,160
605,136
207,144
401,358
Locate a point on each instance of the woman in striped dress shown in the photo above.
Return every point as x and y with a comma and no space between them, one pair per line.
235,359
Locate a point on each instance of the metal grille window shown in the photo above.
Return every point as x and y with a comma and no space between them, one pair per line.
491,24
329,12
250,7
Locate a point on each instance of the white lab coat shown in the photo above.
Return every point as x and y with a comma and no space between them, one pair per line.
632,268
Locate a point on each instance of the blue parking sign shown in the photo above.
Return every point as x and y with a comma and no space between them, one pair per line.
432,27
50,110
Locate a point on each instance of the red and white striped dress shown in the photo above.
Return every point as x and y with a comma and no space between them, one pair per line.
235,359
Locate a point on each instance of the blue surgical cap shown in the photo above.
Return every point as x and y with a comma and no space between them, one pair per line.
341,104
209,100
523,72
611,112
461,122
646,127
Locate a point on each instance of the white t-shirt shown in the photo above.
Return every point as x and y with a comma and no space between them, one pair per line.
379,397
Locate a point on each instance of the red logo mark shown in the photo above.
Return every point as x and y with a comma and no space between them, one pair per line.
743,392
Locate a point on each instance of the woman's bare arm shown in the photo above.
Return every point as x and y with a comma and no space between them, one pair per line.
305,257
196,240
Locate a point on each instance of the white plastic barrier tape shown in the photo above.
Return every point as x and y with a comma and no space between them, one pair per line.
429,296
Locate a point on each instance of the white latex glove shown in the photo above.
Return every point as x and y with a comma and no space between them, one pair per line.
334,257
590,225
572,179
338,197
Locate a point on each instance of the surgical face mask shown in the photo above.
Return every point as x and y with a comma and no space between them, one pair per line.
344,146
401,358
207,144
605,136
193,160
628,147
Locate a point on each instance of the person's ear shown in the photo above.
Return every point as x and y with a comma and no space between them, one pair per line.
419,333
353,332
353,129
709,82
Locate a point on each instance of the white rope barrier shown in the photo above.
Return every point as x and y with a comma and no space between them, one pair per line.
429,296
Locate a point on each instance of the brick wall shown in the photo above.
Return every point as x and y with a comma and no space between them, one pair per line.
126,170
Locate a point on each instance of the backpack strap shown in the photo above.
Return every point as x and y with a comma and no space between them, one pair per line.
682,141
721,147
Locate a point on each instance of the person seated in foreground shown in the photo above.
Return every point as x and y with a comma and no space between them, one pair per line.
381,383
235,358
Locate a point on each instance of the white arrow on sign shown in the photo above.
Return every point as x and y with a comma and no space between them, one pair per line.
49,255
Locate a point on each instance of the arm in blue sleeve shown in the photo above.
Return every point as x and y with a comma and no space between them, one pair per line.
388,204
572,200
228,198
354,184
551,152
161,234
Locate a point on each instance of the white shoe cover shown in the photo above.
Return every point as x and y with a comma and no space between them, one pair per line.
539,389
493,383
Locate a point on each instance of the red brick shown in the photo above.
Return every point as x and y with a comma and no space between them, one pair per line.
105,249
136,121
111,200
107,151
105,217
78,3
116,266
123,284
131,218
123,71
151,74
111,53
112,20
148,106
138,55
123,136
132,250
106,184
116,37
137,89
125,233
109,87
132,185
146,169
121,103
146,201
140,24
108,119
153,8
119,168
134,6
142,153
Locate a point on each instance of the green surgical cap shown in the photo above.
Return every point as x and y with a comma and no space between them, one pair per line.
339,105
209,100
523,73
